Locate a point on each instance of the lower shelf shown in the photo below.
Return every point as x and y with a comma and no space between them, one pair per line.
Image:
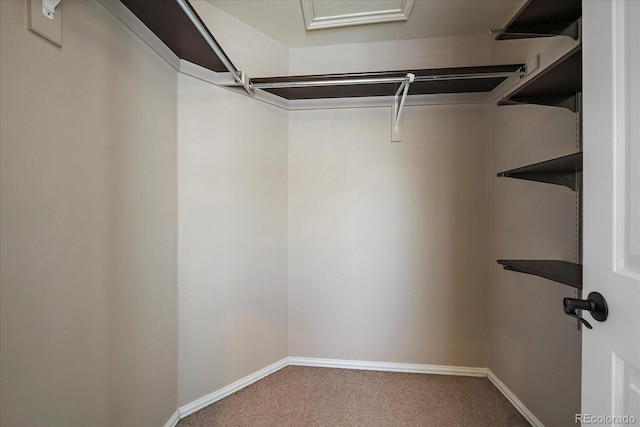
561,171
565,272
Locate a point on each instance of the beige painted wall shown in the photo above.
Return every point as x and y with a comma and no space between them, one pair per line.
232,166
383,246
535,347
232,250
391,55
87,224
387,241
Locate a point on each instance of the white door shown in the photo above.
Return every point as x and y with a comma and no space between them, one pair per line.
611,123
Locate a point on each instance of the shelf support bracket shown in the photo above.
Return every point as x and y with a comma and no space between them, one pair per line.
398,105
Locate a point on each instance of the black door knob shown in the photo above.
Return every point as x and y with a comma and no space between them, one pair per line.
594,304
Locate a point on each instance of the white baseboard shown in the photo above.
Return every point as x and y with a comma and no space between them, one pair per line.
173,420
196,405
526,413
388,367
207,400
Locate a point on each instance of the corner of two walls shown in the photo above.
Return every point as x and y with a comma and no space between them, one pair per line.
232,295
313,219
387,241
535,349
232,219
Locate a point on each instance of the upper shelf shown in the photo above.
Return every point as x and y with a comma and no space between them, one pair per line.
565,272
544,18
462,85
557,85
560,171
167,20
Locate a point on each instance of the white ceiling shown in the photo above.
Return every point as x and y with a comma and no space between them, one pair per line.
283,20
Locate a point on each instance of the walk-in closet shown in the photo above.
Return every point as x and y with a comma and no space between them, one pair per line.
291,212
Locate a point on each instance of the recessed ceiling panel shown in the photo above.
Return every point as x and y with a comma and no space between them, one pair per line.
283,20
320,14
332,8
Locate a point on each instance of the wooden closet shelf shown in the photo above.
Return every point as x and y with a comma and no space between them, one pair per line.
167,20
557,85
559,171
462,85
565,272
544,18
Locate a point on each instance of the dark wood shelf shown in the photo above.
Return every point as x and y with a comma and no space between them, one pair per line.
544,18
558,85
167,20
389,89
559,171
564,272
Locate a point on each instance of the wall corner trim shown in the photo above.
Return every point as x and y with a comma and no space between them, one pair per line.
207,400
173,420
526,413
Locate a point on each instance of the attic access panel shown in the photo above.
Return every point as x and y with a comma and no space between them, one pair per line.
540,18
167,20
467,85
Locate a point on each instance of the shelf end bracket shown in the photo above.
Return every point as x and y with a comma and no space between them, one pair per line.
398,105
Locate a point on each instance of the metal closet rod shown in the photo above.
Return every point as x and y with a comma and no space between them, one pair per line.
237,75
377,80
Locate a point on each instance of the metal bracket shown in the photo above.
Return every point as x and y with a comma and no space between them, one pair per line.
204,32
239,80
398,104
245,81
49,8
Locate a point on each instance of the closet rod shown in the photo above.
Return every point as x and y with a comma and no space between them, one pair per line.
202,29
378,80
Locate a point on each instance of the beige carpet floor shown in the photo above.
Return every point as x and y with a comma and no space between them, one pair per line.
301,396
